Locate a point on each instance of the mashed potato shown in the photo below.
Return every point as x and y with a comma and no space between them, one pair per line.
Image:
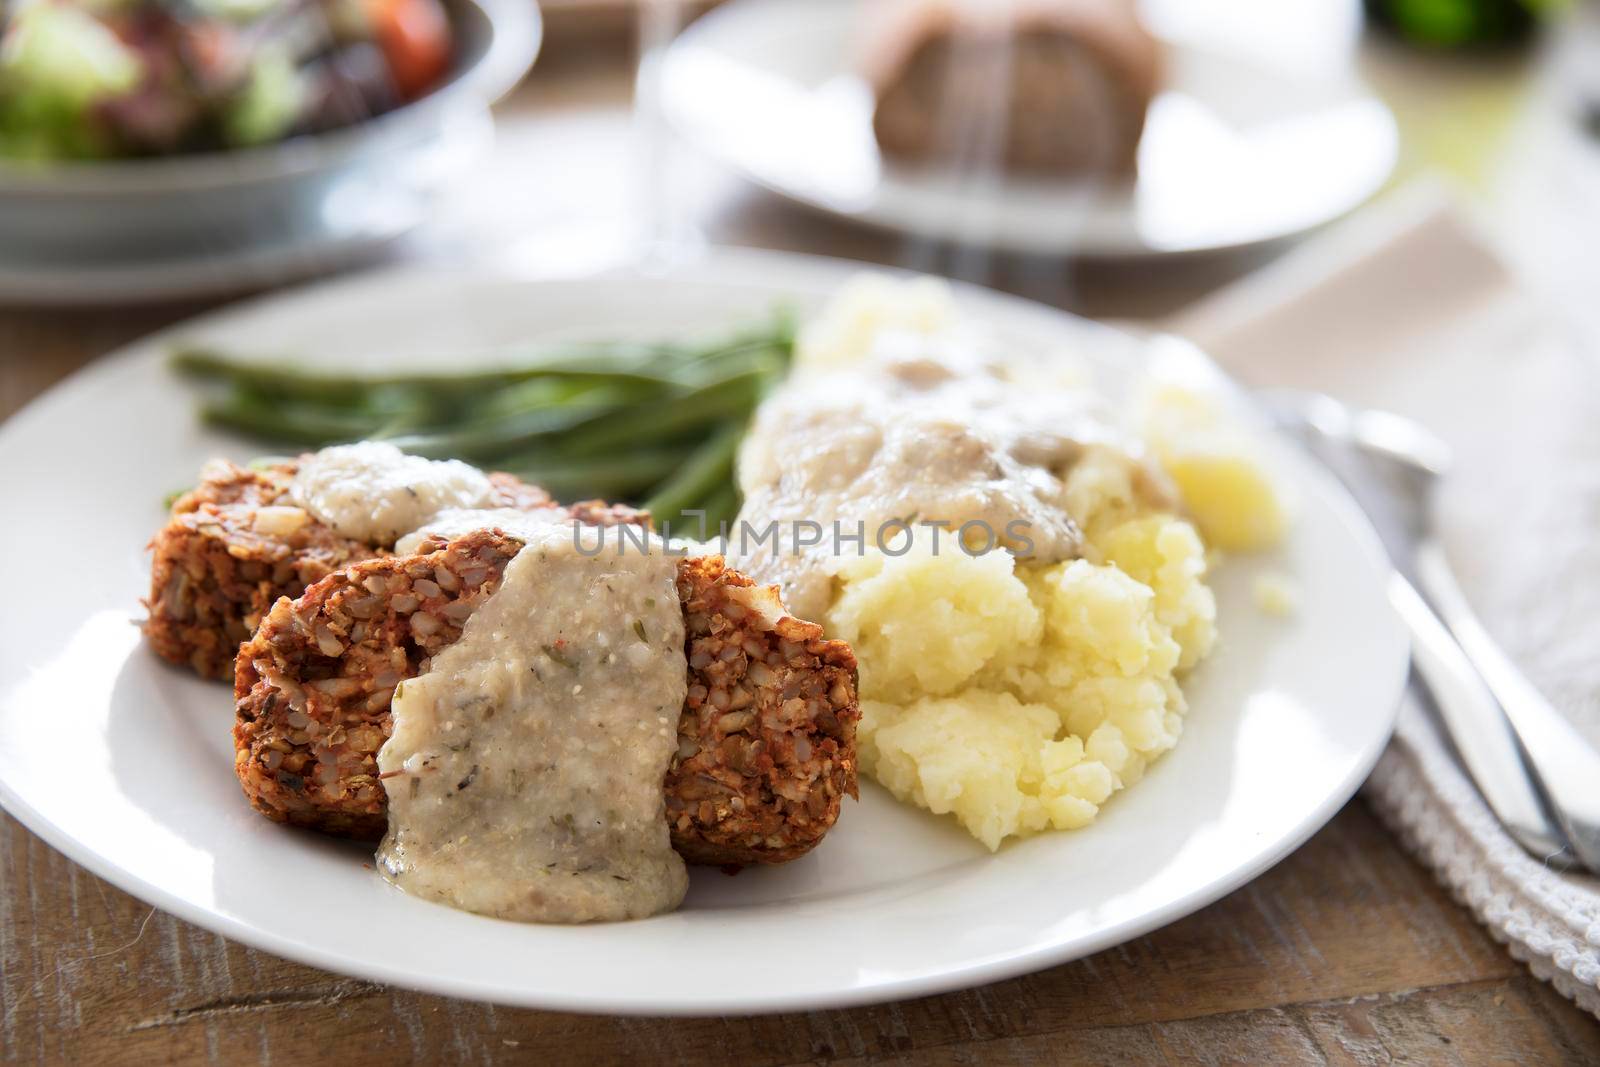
1276,594
1230,495
1019,695
867,309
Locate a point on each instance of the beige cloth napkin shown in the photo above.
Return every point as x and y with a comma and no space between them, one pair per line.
1406,308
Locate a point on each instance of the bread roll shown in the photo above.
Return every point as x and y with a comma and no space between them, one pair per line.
1042,87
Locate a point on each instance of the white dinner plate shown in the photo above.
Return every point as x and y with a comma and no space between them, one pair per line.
1235,153
125,764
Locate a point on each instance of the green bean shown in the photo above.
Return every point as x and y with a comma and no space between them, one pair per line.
710,468
541,393
491,438
764,350
659,419
710,514
622,420
296,426
291,380
604,362
621,474
721,506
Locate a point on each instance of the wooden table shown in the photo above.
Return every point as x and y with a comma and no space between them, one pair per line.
1346,952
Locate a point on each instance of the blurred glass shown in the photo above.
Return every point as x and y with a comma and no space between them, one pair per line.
668,232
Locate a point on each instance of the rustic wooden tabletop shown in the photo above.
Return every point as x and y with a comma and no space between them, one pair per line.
1346,952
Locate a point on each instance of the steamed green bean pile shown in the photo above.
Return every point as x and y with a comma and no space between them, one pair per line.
655,425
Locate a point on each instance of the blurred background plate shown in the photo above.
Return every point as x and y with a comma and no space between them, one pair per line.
220,222
1235,152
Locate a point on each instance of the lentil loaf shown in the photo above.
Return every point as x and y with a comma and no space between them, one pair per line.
236,543
766,736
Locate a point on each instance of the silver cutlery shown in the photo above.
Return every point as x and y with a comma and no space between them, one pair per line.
1540,776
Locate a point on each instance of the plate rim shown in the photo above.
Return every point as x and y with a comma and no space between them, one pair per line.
984,972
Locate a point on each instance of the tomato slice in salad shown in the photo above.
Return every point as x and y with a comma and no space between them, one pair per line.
415,38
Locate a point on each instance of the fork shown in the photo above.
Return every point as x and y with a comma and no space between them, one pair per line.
1528,761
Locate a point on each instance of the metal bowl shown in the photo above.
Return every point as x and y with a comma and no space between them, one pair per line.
194,224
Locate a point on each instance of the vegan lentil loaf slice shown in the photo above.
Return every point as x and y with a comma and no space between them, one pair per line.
236,543
766,736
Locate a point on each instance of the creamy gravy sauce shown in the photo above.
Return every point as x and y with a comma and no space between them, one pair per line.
373,492
457,522
923,432
525,767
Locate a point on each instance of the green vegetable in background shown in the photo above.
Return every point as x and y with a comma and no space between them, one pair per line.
56,62
1461,23
270,103
651,424
697,483
103,79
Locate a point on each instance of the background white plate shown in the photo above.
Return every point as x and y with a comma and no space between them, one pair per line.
125,764
1234,153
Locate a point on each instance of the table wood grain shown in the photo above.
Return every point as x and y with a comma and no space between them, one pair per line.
1346,952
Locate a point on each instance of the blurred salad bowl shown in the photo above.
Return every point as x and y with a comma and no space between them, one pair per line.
160,148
